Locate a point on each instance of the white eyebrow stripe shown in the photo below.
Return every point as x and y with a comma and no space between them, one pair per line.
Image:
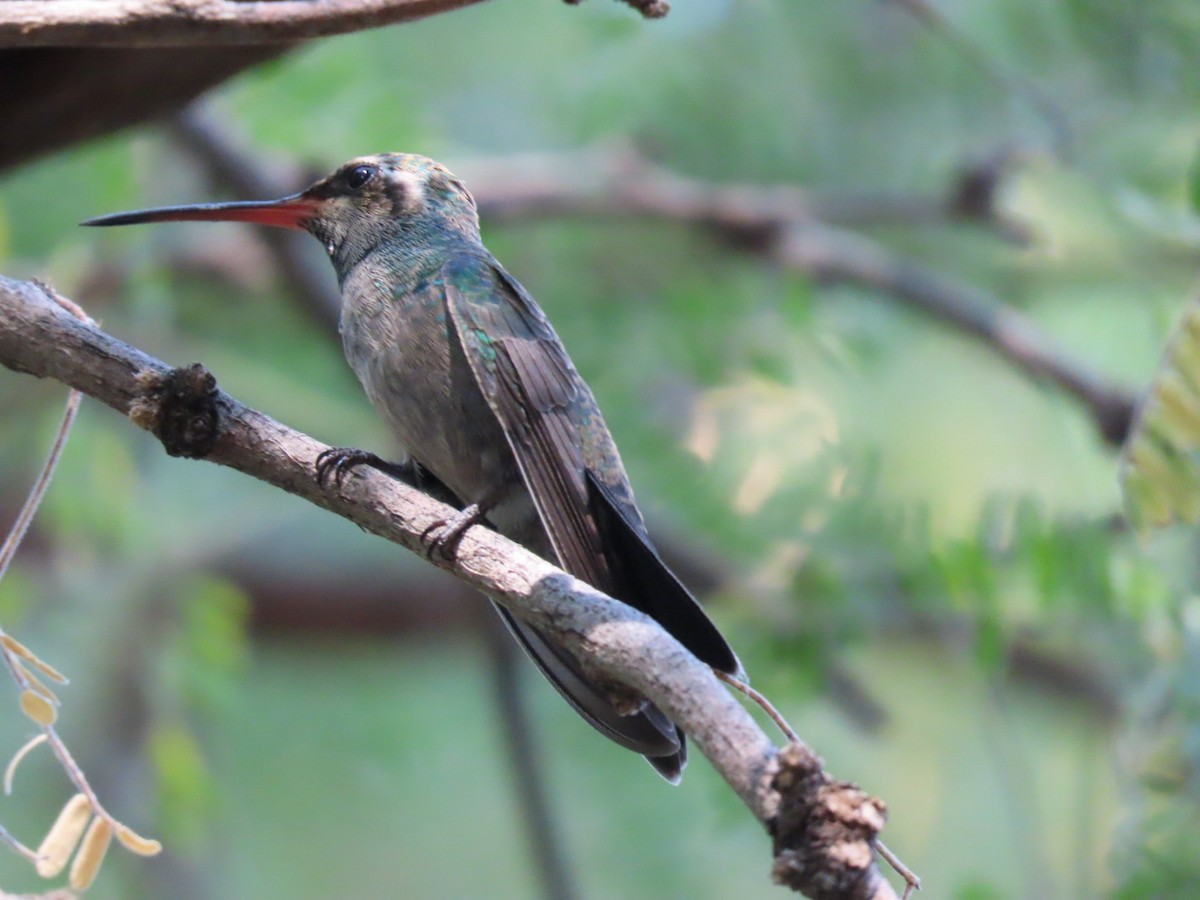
413,189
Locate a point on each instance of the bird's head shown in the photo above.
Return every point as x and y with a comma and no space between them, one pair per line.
390,196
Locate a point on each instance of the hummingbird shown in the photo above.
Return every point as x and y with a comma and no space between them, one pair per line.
488,410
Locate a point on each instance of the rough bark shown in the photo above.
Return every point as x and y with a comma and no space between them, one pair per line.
192,23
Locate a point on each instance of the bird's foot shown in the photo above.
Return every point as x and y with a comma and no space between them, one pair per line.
444,534
340,461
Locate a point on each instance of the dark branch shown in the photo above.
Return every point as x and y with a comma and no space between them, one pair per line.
191,23
619,182
78,69
54,97
546,838
835,255
246,176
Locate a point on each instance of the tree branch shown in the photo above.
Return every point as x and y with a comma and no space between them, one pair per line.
824,831
1007,79
609,182
54,97
546,840
835,255
248,177
191,23
77,69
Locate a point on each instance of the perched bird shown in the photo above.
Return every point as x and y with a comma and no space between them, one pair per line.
486,405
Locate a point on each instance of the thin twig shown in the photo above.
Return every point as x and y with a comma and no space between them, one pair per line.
7,838
16,669
1007,80
533,798
912,881
36,493
765,704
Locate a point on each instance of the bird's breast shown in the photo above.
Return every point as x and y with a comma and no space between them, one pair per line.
402,346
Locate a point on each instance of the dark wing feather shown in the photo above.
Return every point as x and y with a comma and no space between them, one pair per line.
655,589
532,387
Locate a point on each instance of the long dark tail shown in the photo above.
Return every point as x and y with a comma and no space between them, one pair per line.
648,732
645,583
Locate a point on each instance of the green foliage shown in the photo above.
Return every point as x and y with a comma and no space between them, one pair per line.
977,891
1160,469
210,651
184,787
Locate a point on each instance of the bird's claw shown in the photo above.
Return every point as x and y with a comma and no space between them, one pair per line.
339,461
444,534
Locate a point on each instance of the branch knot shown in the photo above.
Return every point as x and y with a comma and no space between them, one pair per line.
825,830
181,410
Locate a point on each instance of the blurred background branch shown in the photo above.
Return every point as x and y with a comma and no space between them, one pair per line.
1021,89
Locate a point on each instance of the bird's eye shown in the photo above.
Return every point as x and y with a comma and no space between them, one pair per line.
358,176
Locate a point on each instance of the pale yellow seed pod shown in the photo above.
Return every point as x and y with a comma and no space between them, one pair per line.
63,835
36,684
135,843
91,854
38,708
11,643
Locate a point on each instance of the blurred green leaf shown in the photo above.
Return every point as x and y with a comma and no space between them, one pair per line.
184,788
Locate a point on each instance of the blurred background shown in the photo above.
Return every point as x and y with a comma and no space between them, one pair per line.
866,291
